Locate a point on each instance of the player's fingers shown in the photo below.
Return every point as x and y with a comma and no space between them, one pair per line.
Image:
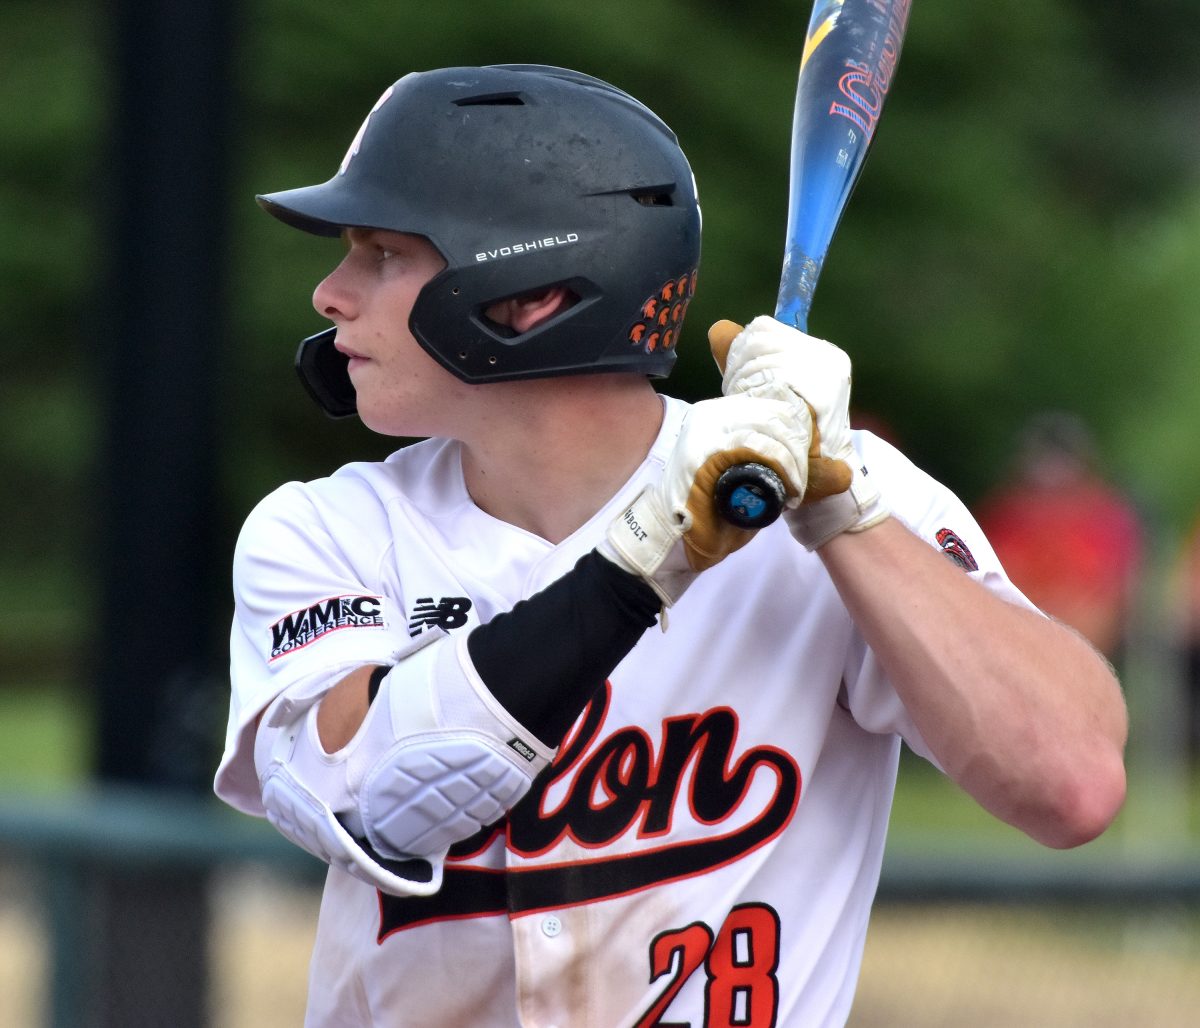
720,337
826,477
709,538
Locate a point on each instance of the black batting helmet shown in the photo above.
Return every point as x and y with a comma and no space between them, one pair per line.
523,177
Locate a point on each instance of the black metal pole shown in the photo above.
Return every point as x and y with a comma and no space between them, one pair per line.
161,342
160,333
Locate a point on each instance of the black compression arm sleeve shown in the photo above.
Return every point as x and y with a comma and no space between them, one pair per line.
545,658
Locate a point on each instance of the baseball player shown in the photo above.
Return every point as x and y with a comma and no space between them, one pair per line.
577,752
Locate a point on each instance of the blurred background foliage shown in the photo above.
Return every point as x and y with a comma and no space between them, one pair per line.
1026,235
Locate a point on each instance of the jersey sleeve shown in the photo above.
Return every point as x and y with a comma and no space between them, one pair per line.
936,515
314,598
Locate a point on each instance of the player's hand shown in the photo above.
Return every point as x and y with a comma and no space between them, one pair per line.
672,531
767,357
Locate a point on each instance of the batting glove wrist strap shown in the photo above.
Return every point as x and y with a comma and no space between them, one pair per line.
858,508
672,531
646,541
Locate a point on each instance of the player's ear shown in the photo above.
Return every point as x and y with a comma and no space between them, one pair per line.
521,313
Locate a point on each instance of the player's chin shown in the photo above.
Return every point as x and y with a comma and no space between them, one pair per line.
391,416
384,422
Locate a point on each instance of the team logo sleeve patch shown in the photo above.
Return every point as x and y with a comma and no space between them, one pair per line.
954,548
302,627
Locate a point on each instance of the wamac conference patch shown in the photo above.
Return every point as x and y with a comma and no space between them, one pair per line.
307,625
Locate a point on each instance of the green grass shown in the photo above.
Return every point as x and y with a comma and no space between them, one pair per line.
45,740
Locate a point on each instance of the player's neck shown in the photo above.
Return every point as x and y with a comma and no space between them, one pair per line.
548,466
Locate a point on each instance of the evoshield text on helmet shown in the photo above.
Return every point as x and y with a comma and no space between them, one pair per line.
523,177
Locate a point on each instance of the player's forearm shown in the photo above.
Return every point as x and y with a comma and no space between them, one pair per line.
342,709
1020,711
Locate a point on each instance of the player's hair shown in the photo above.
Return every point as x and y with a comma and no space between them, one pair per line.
523,177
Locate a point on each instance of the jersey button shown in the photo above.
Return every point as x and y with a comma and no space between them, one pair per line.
551,926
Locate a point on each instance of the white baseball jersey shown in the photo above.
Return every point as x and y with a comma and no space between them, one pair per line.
706,847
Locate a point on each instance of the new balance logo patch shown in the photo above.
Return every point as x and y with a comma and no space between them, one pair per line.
448,613
302,627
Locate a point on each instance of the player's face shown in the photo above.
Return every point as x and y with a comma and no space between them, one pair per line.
369,296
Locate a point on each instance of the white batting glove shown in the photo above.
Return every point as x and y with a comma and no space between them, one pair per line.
672,531
768,356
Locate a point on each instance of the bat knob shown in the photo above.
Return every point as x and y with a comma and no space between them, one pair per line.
749,495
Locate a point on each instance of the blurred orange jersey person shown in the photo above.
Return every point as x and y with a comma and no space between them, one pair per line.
1068,539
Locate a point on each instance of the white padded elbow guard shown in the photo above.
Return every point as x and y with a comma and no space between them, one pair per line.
303,817
435,760
455,760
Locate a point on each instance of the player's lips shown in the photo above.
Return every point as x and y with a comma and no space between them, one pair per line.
352,355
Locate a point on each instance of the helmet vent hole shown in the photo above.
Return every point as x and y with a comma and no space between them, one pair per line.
654,198
491,100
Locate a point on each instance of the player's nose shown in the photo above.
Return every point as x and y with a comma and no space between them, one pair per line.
334,297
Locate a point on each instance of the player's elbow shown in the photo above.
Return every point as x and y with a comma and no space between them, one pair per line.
1083,806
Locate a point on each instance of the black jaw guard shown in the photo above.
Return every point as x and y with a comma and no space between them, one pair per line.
324,373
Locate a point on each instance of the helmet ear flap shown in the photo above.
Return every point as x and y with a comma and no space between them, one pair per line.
325,374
